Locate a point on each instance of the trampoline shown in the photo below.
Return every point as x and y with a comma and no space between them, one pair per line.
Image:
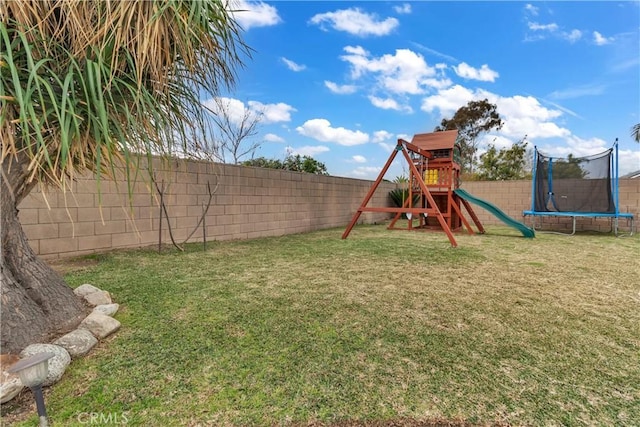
577,187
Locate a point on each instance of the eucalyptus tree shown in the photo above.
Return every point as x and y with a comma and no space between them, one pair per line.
471,121
94,86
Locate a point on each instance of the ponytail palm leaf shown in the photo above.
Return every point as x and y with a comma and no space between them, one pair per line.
85,85
635,132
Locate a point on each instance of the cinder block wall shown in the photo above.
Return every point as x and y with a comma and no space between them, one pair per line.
246,203
514,197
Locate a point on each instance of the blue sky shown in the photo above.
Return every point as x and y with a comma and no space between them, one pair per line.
342,81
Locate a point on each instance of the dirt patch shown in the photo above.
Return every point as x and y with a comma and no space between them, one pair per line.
71,265
19,408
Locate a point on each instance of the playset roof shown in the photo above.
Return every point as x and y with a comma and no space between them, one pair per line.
436,140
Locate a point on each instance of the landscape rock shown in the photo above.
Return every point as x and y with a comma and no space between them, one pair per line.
86,289
100,325
77,343
107,309
10,384
57,364
98,298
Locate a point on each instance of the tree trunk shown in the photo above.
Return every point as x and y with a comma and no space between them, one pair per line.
36,303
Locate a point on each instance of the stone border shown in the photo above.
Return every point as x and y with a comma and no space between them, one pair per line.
97,325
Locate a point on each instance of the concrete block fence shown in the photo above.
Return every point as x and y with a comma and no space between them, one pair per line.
247,203
514,197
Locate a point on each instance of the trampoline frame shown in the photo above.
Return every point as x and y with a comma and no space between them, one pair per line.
614,216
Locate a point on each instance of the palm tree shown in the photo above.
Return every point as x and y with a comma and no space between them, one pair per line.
635,132
88,85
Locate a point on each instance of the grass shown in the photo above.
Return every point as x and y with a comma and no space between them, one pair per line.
386,325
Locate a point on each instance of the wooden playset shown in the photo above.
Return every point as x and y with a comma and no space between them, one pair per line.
434,198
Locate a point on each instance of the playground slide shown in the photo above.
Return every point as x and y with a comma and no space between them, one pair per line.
526,231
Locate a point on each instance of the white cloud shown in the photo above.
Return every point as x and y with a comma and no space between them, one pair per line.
308,150
236,110
340,89
292,65
531,9
437,83
542,31
386,146
231,107
524,115
381,136
578,91
484,74
519,106
321,130
355,21
561,108
356,50
601,40
435,52
272,137
517,127
629,161
273,113
625,64
534,26
388,104
447,101
359,159
366,171
405,8
534,37
404,72
521,115
497,141
251,14
573,36
575,146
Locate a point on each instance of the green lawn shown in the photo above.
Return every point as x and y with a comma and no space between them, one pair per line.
385,325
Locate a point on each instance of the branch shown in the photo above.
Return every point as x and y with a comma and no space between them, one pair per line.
164,209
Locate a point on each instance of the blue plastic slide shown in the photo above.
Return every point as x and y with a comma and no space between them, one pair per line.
526,231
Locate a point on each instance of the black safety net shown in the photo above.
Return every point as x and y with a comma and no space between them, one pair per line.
574,184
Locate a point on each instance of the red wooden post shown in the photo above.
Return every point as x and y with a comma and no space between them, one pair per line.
372,190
